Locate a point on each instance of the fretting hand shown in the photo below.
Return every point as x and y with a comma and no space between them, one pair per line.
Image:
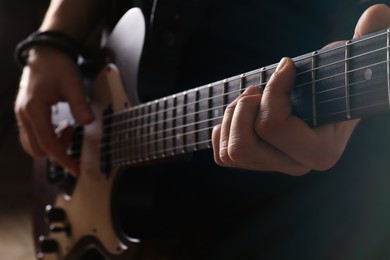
259,132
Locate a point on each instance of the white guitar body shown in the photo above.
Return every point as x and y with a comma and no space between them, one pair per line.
88,210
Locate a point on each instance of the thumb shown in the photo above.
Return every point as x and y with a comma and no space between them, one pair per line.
375,18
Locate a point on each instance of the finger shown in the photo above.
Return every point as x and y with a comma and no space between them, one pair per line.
73,93
226,128
27,137
317,148
242,135
225,132
247,150
275,123
47,139
375,18
216,136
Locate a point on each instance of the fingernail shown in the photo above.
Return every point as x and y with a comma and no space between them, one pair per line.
281,64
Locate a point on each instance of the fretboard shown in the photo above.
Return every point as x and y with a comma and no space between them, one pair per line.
345,81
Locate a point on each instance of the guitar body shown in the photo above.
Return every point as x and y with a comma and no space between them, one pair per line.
87,230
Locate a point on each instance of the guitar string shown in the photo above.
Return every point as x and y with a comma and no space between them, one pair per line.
197,113
165,152
183,134
342,46
272,67
127,156
134,129
135,119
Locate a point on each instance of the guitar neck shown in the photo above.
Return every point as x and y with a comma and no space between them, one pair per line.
345,81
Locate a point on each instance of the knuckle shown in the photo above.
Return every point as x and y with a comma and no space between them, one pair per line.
224,155
230,109
28,106
265,126
240,151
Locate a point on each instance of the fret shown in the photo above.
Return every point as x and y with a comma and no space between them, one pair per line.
170,126
204,115
346,80
146,129
180,122
313,88
368,79
232,89
301,95
190,120
153,137
161,128
252,79
330,81
216,103
224,95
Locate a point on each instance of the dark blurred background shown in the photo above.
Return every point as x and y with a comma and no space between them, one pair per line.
18,18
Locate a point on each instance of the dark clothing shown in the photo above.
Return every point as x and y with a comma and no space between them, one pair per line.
342,213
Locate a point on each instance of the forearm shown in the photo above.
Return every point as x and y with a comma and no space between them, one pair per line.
77,18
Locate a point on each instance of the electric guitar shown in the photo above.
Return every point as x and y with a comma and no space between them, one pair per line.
80,221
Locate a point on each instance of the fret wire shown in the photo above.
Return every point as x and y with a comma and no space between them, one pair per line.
262,78
242,83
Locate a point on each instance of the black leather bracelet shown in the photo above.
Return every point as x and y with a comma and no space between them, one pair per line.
53,39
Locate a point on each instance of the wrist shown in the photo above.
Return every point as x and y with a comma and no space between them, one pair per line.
47,40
